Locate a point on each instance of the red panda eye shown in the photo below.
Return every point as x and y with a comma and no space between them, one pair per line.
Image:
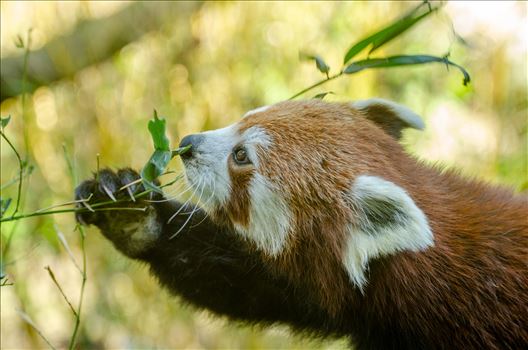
240,156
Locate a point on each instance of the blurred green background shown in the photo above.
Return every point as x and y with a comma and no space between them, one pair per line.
98,69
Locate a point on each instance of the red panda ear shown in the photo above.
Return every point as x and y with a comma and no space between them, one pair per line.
390,116
386,221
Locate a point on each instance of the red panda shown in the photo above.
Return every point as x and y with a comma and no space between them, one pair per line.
313,215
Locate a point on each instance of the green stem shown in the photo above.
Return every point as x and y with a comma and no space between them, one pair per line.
27,172
77,210
316,85
83,210
21,196
20,171
81,297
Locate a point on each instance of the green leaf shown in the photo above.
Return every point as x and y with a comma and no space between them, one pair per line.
5,121
19,42
319,62
157,127
388,33
157,163
4,205
322,95
155,167
321,65
402,60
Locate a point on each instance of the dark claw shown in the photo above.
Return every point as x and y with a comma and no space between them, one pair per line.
85,191
127,176
106,184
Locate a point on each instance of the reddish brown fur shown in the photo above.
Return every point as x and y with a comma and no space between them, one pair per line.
239,203
477,272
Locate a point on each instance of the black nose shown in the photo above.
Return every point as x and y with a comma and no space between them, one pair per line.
194,140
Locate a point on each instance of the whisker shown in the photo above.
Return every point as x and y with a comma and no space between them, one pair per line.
183,226
205,205
196,207
179,210
198,224
169,197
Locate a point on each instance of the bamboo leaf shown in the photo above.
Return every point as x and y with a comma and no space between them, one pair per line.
19,42
319,62
403,60
322,95
157,128
5,121
4,205
154,168
162,154
397,29
321,65
388,33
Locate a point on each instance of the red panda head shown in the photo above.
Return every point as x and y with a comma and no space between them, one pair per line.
312,180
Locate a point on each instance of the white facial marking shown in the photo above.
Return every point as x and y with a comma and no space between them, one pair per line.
404,113
208,166
270,217
208,170
256,110
407,228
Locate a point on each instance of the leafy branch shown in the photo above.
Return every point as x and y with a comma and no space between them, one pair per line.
377,40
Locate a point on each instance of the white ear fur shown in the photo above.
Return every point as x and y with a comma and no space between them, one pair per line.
256,110
387,222
393,112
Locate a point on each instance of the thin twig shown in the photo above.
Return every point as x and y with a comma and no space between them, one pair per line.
91,208
76,210
52,275
321,82
5,282
69,162
64,243
30,322
22,164
82,236
83,284
27,171
131,184
20,171
66,203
